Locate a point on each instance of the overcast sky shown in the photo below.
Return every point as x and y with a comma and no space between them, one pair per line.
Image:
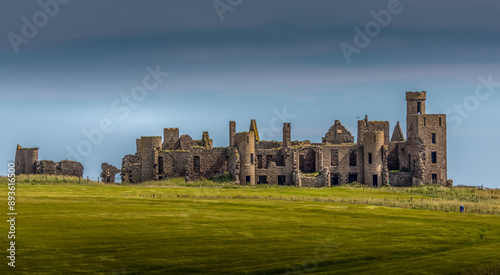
66,69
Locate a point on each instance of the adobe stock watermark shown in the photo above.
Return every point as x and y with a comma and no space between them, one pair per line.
40,19
121,106
223,6
459,112
270,132
373,28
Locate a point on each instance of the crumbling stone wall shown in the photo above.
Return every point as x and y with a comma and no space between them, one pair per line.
25,160
400,179
108,172
71,168
131,169
27,163
366,125
338,134
196,163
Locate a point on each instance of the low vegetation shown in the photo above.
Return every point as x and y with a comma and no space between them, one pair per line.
212,227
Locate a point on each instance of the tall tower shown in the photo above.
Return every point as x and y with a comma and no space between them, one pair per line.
415,103
426,141
149,157
232,132
373,157
287,135
246,146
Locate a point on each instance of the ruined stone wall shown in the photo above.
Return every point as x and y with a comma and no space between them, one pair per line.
268,145
337,158
338,134
108,172
272,163
149,160
65,167
27,163
373,126
25,160
48,167
400,179
71,168
425,144
170,134
233,164
128,172
194,164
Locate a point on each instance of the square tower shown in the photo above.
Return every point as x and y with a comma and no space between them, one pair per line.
415,103
426,141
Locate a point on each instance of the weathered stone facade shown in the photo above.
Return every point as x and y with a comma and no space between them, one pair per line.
375,160
27,163
108,173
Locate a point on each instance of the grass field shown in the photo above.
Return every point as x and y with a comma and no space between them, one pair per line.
70,227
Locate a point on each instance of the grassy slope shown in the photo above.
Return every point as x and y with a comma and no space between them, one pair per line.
94,229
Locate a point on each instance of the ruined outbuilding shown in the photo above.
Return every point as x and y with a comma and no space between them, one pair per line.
108,173
376,159
27,163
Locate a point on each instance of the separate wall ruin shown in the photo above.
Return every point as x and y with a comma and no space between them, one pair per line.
375,160
27,163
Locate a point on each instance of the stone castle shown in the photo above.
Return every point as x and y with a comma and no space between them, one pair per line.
374,160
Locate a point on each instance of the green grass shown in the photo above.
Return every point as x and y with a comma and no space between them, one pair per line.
214,228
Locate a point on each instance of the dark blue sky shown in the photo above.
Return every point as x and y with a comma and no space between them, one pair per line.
262,58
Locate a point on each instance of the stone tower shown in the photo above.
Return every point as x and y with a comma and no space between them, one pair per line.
426,141
149,156
373,157
246,146
26,159
287,135
232,132
170,134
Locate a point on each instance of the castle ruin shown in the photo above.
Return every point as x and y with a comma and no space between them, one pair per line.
27,163
376,159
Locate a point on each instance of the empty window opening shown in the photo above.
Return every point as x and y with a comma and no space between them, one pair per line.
307,161
425,121
196,164
160,164
419,108
434,157
262,180
375,180
281,160
281,180
440,122
434,178
259,162
335,180
247,179
335,157
370,158
353,158
251,158
433,138
269,158
352,178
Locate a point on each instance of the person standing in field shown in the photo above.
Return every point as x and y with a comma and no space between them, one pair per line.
462,208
